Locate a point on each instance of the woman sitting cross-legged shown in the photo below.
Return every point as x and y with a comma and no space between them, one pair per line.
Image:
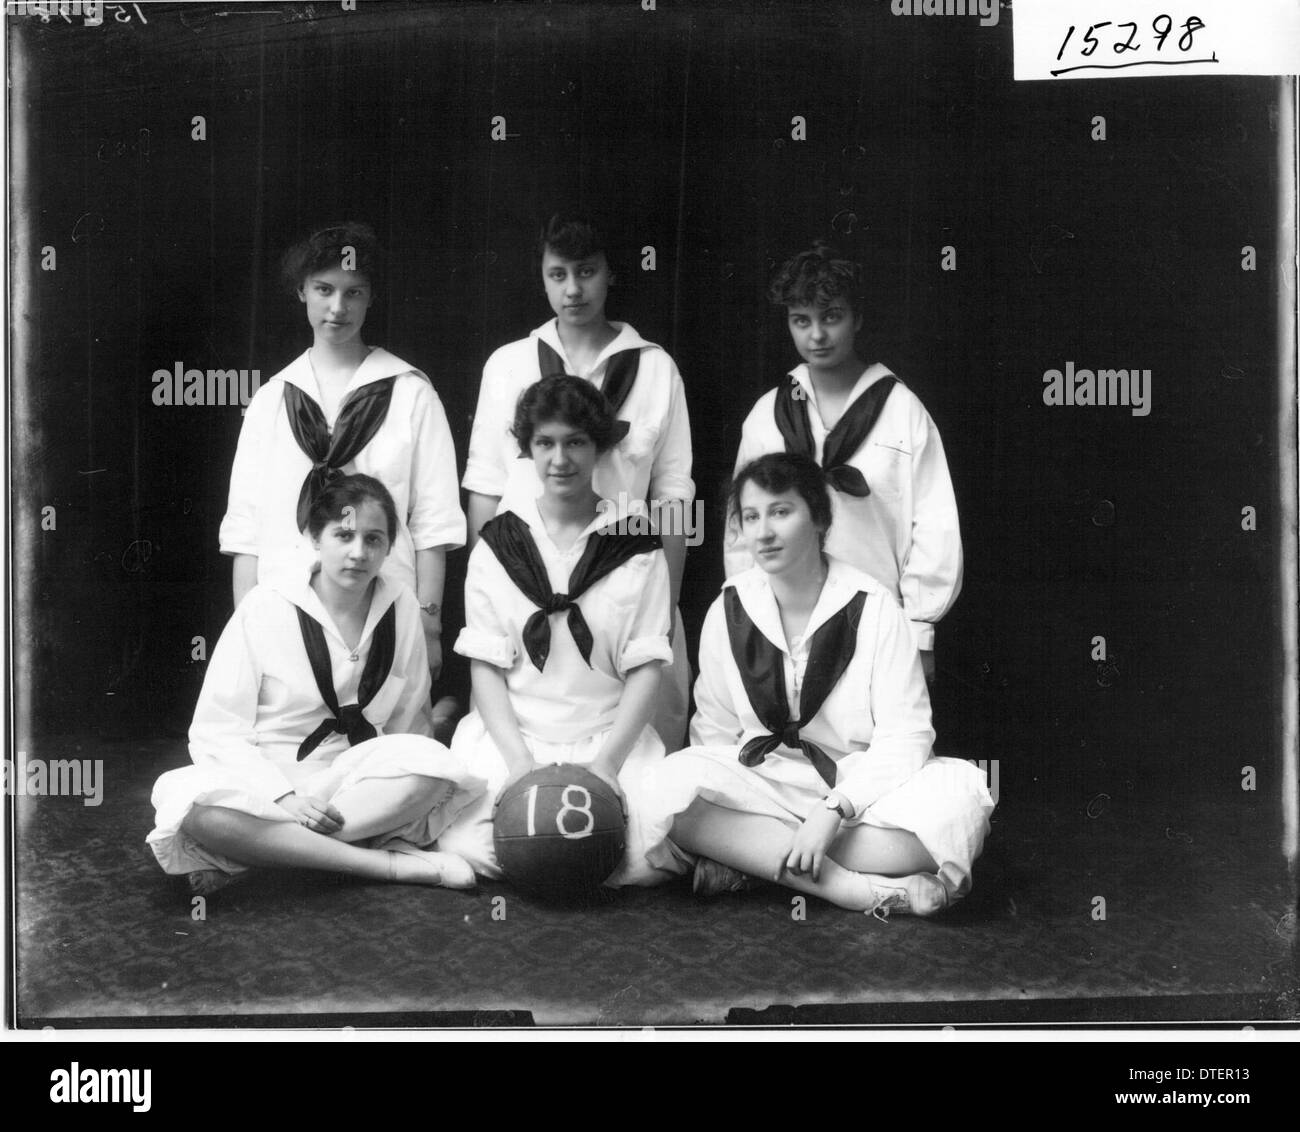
566,625
310,740
811,760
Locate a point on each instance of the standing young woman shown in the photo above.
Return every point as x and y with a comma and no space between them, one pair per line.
566,626
650,465
341,407
311,735
811,760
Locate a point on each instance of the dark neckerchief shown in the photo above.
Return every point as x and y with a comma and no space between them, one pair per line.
848,435
347,720
513,544
620,373
359,419
762,672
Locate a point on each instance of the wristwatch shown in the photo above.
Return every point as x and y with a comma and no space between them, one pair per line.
834,803
432,608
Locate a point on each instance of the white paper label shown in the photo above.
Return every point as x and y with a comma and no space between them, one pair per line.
1110,39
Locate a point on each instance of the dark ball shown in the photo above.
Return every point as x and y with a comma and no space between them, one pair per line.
559,833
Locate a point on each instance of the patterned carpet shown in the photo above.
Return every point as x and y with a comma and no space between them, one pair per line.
1200,924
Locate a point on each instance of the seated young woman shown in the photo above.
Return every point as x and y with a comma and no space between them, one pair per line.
811,761
311,738
566,627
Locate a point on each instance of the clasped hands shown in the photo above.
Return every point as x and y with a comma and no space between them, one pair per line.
315,814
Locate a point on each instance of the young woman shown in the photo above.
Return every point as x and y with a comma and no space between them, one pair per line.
310,738
650,465
343,407
811,764
566,626
895,513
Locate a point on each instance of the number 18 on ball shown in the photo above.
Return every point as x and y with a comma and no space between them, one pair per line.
559,833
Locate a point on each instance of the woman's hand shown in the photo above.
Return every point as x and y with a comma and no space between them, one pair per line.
315,814
492,700
609,777
520,770
635,707
811,840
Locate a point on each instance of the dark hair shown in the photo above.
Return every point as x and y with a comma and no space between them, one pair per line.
778,472
572,235
350,491
571,400
324,249
815,277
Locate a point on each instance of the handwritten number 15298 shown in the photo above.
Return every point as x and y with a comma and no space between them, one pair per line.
1162,26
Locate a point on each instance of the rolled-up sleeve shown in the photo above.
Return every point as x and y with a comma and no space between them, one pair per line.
646,635
486,635
436,518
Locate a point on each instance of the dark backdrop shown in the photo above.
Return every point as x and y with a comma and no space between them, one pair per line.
677,125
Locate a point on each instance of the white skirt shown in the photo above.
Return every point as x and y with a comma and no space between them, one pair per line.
470,835
946,804
386,756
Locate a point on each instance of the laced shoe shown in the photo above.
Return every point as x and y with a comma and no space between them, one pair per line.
921,894
712,878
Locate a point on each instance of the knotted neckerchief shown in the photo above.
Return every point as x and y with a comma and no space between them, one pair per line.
762,672
512,542
842,441
359,419
620,373
347,720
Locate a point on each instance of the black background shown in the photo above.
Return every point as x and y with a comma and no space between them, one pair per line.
676,125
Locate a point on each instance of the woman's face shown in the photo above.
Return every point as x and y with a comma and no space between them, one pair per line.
576,288
564,457
824,334
778,529
353,547
337,302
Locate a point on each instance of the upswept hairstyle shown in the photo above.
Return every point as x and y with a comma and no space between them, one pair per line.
351,491
323,250
778,472
572,235
815,277
573,402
